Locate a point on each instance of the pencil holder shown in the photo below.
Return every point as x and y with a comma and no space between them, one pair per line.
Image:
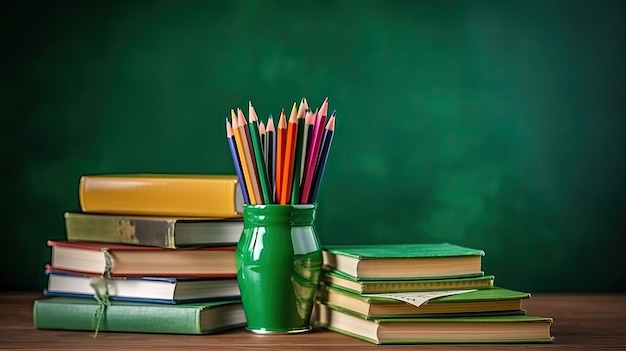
278,260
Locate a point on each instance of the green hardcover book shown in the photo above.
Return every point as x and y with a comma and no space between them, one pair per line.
496,300
344,281
483,329
167,232
195,318
404,261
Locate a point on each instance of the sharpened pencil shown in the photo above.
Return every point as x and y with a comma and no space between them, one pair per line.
280,153
327,140
270,136
313,152
232,144
297,161
258,154
290,147
250,158
309,123
281,161
242,157
262,139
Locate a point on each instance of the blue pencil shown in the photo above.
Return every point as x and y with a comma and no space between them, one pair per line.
323,156
233,151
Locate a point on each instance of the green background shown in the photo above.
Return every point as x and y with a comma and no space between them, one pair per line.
491,124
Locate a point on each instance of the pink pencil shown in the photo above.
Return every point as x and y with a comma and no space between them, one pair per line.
318,130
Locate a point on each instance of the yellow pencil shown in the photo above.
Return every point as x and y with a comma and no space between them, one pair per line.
242,156
247,148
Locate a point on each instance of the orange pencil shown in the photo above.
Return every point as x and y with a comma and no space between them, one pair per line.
242,157
290,148
280,153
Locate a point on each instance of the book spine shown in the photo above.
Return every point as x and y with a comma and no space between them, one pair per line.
428,286
142,319
161,196
120,230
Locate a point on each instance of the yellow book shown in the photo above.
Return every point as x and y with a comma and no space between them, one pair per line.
183,195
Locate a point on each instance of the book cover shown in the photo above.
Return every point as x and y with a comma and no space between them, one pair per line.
404,261
484,301
168,232
169,290
519,328
133,260
68,313
175,195
344,281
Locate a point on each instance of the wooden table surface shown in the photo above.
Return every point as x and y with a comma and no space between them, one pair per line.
581,322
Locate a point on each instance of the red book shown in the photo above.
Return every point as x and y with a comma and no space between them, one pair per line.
132,260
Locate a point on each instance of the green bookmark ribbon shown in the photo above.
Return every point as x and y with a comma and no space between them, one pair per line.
101,293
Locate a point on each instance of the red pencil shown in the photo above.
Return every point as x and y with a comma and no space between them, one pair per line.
280,153
290,147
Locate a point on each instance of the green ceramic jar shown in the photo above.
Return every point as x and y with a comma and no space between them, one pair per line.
279,261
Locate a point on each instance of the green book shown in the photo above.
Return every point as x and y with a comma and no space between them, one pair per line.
347,282
404,261
194,318
482,329
168,232
495,300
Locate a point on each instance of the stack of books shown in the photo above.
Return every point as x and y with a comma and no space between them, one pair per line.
421,293
147,253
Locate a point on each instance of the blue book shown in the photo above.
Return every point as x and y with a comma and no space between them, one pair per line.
166,290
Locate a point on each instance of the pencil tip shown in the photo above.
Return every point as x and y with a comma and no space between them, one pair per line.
331,123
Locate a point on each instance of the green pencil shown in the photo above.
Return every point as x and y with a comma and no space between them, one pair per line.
258,154
297,162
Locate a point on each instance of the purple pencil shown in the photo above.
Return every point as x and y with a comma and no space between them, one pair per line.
321,163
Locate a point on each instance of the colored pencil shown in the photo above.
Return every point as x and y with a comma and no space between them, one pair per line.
297,162
250,158
313,152
258,154
270,137
309,124
262,139
242,157
327,140
307,111
290,147
280,153
281,161
232,144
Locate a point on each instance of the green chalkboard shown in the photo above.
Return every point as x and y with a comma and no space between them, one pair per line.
498,125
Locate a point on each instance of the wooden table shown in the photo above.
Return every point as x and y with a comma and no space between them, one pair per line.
581,321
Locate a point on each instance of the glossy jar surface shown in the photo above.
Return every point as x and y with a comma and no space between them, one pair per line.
279,261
